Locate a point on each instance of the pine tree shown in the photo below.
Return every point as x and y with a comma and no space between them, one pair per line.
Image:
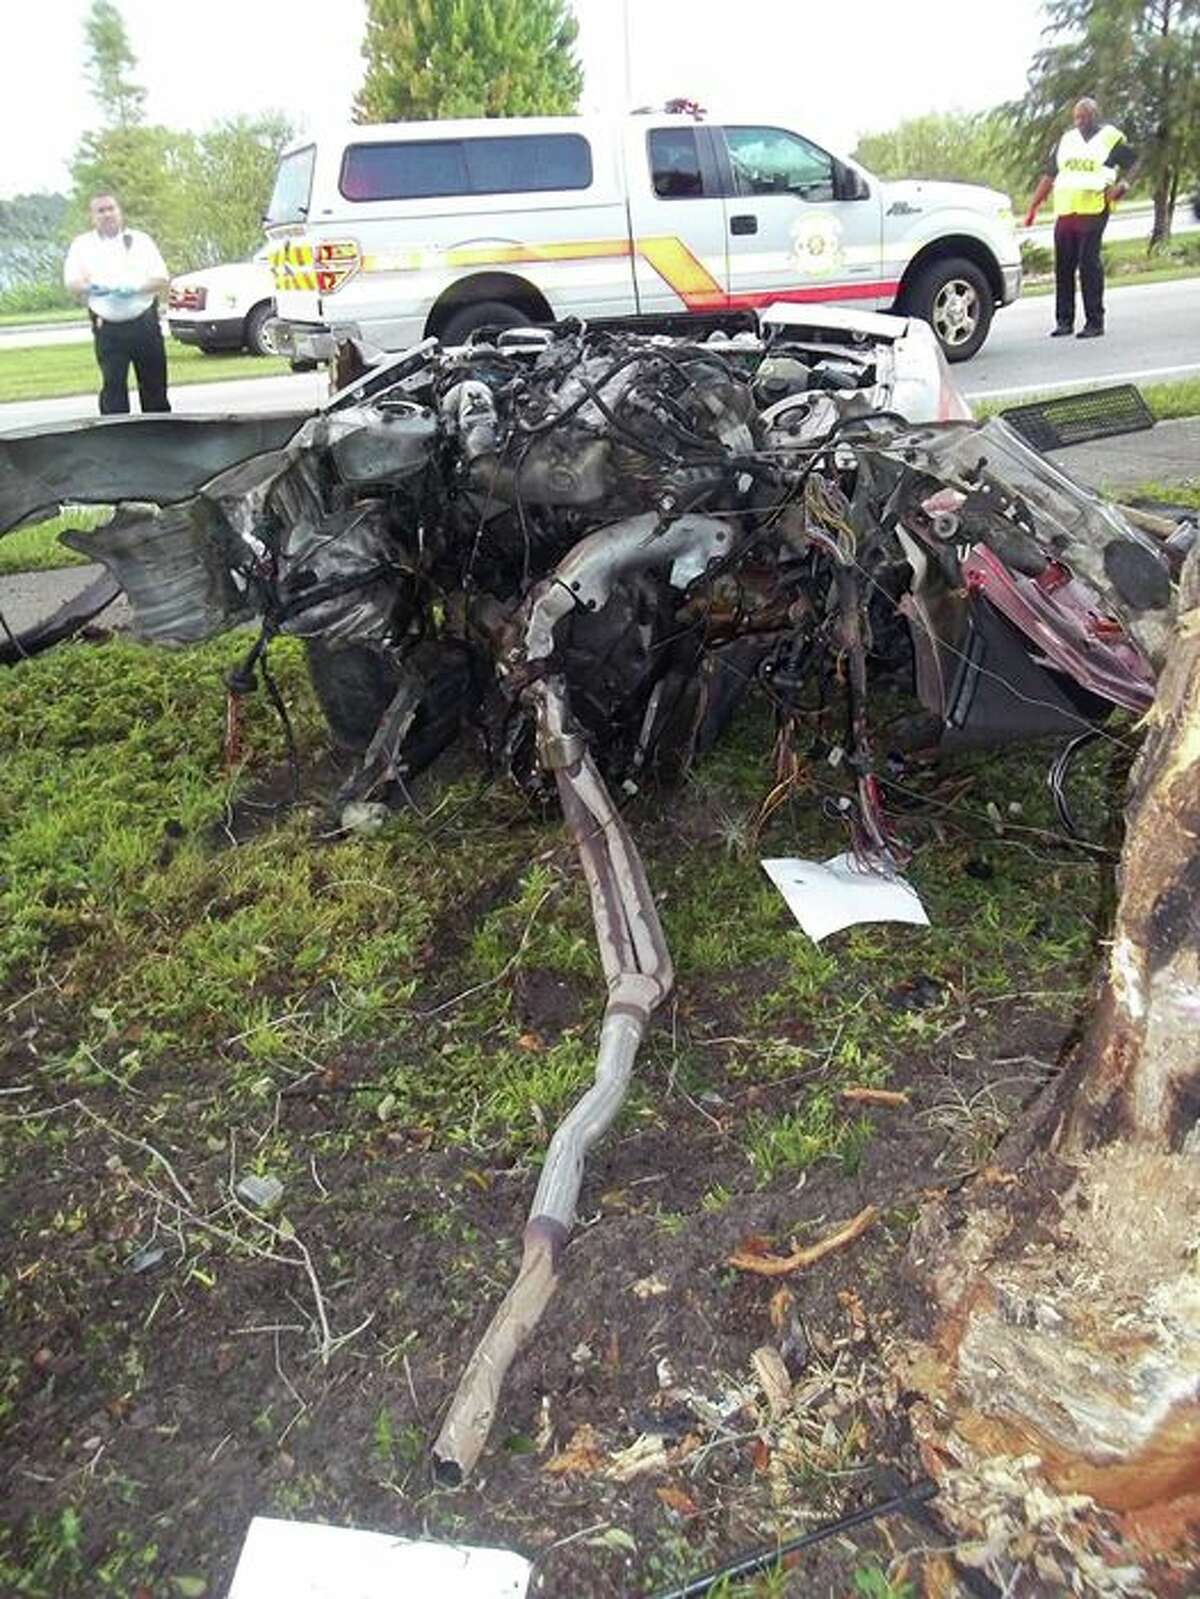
1140,59
109,61
468,58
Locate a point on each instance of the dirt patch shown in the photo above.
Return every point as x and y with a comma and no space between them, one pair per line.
179,1399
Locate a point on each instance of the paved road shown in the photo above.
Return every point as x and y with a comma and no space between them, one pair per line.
1153,335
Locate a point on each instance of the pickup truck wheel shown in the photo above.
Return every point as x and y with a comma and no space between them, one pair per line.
481,314
257,337
954,298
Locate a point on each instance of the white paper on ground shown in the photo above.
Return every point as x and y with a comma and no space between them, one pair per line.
825,896
304,1560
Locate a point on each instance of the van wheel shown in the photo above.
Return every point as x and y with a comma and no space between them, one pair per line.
954,298
481,314
257,337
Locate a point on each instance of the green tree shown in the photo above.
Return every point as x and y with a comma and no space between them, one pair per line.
109,62
468,58
955,146
1141,60
147,167
227,183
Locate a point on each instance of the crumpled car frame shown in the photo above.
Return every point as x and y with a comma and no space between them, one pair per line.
591,543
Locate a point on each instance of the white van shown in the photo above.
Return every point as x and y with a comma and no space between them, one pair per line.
406,230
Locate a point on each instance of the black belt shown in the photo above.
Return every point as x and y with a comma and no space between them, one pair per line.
112,322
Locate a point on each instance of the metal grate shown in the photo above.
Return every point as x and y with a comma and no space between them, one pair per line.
1076,418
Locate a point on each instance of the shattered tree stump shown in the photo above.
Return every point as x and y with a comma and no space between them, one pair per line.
1058,1394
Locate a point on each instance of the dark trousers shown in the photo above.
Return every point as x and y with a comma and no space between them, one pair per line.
1077,250
140,342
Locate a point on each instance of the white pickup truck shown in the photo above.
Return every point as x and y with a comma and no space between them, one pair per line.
410,229
229,307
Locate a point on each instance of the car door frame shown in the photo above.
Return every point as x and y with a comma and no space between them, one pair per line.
858,280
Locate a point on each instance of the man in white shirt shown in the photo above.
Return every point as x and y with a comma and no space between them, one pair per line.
118,272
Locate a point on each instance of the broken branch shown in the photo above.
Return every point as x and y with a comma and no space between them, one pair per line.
780,1265
876,1096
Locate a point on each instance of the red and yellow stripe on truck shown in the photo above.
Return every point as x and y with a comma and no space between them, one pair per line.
327,266
321,268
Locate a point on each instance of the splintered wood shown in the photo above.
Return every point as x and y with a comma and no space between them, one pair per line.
780,1265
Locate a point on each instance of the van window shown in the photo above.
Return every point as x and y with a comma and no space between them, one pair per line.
426,169
675,164
293,186
774,161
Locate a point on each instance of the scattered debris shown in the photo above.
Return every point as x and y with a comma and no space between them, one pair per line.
649,1288
309,1561
365,816
147,1258
780,1265
581,1457
264,1193
827,897
772,1373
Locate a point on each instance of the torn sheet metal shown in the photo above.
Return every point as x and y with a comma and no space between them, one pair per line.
827,896
163,459
306,1560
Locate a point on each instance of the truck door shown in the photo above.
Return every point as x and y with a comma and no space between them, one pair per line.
676,216
801,225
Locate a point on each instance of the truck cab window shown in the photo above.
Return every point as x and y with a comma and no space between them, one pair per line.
773,161
675,164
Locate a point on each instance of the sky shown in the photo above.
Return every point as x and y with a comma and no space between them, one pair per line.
834,71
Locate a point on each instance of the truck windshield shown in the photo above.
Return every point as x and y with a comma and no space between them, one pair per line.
293,184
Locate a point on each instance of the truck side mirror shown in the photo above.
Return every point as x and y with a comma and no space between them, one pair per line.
849,184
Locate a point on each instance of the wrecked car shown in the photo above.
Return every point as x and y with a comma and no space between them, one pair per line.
589,544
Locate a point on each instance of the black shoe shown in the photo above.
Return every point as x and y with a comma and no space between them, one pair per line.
1062,331
1090,330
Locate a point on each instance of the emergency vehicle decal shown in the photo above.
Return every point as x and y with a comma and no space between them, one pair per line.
817,245
325,267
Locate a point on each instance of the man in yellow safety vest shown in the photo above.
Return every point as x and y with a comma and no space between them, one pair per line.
1089,169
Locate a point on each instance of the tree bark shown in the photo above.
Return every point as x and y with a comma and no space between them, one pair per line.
1165,186
1064,1355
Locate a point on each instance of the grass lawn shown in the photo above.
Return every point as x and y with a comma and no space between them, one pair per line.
45,371
33,319
1126,261
200,984
36,548
1043,286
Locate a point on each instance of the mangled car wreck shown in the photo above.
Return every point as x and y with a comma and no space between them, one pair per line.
587,545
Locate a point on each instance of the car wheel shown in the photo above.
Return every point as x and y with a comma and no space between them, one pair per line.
954,298
481,314
257,337
355,685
